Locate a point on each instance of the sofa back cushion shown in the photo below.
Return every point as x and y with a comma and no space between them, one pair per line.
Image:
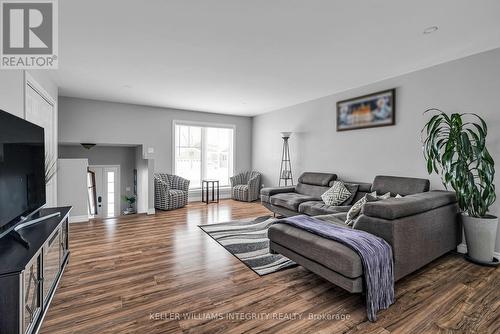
399,185
317,179
314,184
310,190
363,188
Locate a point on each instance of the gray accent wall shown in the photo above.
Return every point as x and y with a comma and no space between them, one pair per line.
82,120
107,155
470,84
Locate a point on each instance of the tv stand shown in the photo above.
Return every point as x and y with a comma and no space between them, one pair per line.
32,262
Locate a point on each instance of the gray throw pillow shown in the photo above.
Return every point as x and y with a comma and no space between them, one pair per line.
353,189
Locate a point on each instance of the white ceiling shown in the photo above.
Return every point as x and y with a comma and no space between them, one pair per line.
246,57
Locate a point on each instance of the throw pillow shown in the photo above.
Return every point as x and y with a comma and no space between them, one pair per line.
398,196
384,196
355,210
337,194
353,189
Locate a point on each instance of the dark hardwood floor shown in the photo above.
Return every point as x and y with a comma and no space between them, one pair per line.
162,274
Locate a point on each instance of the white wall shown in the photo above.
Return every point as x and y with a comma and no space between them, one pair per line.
470,84
93,121
72,187
13,100
12,92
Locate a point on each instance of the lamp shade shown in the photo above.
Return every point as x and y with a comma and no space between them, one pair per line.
286,134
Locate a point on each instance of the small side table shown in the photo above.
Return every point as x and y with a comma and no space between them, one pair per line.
205,188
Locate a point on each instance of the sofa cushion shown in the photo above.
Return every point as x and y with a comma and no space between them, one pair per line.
314,208
326,252
317,179
334,218
290,200
399,185
310,190
409,205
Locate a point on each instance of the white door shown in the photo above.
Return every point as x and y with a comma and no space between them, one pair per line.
40,110
107,182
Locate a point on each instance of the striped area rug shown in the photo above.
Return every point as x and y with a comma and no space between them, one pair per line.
247,240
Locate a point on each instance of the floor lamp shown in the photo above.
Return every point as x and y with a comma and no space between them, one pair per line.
286,166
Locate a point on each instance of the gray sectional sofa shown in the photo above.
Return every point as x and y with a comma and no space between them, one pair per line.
420,227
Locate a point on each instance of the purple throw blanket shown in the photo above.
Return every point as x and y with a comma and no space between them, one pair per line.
375,254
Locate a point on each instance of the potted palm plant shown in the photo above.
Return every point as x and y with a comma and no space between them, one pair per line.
455,148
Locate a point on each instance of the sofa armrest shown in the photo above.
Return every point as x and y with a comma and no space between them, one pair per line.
410,205
417,239
254,181
276,190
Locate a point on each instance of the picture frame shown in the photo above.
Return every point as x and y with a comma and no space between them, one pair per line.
367,111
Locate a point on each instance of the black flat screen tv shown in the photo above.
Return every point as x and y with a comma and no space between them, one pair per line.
22,170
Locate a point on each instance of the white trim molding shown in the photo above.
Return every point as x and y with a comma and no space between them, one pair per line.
79,219
151,211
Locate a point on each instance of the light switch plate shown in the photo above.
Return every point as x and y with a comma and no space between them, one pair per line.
151,150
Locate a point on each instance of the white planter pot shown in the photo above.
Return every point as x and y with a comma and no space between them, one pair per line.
480,235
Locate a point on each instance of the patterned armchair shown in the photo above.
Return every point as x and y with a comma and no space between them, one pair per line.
246,186
171,191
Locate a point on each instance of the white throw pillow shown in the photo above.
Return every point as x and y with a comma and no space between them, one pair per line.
337,194
355,210
384,196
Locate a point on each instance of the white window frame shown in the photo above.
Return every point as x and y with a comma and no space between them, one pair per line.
205,125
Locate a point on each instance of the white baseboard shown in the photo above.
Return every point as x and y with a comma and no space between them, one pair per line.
79,219
462,248
151,211
195,195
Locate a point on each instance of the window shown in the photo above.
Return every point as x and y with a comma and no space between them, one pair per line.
203,152
111,194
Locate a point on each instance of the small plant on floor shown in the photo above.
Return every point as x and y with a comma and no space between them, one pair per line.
130,200
455,148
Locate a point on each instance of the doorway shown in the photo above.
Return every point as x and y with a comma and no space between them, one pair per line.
107,189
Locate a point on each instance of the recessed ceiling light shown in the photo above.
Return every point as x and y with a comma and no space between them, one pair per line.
430,30
126,87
